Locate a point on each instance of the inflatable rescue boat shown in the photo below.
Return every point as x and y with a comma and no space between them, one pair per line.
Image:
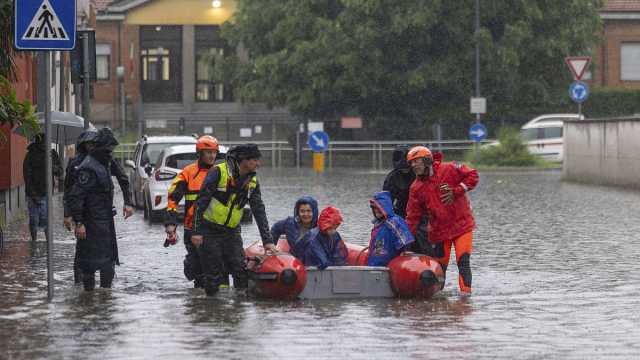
282,276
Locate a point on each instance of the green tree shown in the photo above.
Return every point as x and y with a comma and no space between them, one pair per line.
406,59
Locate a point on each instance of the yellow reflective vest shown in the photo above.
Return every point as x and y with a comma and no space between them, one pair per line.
228,214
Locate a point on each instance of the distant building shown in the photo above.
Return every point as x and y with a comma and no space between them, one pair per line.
617,59
164,49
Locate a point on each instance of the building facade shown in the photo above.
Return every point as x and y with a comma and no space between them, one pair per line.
617,58
155,63
13,147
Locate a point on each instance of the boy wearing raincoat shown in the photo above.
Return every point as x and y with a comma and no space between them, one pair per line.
390,234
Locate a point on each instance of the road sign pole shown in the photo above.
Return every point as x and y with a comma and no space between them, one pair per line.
477,29
86,80
318,162
298,145
45,26
579,110
49,173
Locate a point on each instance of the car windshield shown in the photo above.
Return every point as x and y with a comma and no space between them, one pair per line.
179,161
151,152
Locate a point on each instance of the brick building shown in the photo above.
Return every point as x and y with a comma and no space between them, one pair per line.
617,59
165,51
13,148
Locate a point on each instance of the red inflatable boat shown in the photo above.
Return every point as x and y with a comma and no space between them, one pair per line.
282,276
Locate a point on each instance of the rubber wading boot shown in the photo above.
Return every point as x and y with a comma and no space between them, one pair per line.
188,270
106,276
88,281
198,283
77,275
210,288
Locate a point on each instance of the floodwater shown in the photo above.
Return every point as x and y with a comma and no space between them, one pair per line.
555,271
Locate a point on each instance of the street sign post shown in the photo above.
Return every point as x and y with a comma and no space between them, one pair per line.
578,91
478,132
578,65
77,57
318,142
46,25
478,105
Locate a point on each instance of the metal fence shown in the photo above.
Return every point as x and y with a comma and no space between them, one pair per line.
373,154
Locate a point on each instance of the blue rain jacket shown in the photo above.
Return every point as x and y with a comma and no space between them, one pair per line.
322,250
292,228
389,236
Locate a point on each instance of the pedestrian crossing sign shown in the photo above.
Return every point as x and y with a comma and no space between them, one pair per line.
45,24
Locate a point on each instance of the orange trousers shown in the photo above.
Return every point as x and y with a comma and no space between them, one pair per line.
463,246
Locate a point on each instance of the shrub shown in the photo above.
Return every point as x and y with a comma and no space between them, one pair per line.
510,151
15,112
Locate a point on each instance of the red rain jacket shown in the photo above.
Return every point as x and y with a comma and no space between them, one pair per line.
446,222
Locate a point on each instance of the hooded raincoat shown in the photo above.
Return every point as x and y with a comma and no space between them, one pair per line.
390,235
90,202
292,227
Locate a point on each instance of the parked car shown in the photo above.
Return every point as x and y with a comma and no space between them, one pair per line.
145,156
544,135
171,162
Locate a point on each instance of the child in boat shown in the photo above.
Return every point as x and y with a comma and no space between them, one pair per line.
305,218
390,234
323,245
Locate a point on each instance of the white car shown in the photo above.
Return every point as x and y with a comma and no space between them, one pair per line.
145,156
543,135
170,163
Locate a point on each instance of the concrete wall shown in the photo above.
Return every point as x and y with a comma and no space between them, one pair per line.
13,205
603,151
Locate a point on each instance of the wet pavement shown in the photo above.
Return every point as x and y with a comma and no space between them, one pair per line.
555,272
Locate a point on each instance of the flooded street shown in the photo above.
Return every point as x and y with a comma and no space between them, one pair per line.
555,275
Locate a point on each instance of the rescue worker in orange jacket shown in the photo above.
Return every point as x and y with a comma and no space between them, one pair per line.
439,192
187,185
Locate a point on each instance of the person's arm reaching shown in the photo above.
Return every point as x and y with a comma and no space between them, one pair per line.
260,214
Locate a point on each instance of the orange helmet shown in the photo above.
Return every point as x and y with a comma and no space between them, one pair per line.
207,142
417,152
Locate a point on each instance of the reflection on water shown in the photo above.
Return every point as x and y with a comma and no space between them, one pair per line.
555,276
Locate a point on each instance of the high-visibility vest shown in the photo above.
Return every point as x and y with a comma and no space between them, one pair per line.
228,214
193,176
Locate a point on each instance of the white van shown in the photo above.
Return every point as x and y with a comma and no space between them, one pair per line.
543,135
